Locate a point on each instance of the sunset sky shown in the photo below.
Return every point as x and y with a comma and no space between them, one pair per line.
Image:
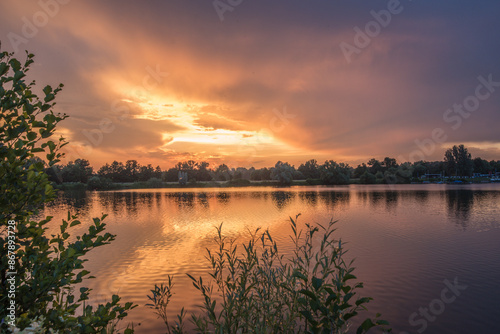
251,82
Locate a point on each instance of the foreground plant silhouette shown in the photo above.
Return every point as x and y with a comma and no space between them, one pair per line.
39,271
258,290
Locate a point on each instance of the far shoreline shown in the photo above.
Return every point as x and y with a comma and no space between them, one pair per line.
242,183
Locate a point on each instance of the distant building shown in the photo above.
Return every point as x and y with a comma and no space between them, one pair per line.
431,176
183,177
482,175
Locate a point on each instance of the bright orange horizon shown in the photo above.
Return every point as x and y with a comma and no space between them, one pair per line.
163,83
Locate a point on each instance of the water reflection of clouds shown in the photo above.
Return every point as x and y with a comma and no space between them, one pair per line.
162,231
133,201
461,204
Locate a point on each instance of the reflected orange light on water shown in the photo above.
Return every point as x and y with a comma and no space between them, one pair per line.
166,232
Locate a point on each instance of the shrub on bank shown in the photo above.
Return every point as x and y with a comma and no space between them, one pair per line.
40,271
367,178
99,183
255,289
154,182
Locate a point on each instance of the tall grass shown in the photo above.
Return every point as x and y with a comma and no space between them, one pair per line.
255,289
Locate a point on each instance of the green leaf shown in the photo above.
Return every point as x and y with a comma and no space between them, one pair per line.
49,97
48,190
349,296
74,223
84,273
3,68
71,252
31,135
298,274
47,90
363,300
348,277
18,75
316,283
350,315
365,326
308,294
15,64
51,145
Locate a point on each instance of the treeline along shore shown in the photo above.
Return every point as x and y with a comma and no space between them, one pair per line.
458,166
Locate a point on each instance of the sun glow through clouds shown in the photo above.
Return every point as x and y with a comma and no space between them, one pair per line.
208,140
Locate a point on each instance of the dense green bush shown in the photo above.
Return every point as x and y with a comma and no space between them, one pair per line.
39,272
154,183
258,290
367,178
332,172
99,183
283,173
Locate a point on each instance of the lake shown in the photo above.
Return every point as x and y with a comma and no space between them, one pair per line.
429,254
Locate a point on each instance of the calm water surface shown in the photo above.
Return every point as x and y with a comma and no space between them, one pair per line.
410,242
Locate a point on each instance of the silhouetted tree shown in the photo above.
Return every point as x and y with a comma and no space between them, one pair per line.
132,170
360,170
146,172
458,161
265,174
332,172
202,172
283,173
495,165
297,175
222,173
419,169
243,172
171,175
367,178
389,163
310,169
375,166
114,171
189,167
482,166
77,171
